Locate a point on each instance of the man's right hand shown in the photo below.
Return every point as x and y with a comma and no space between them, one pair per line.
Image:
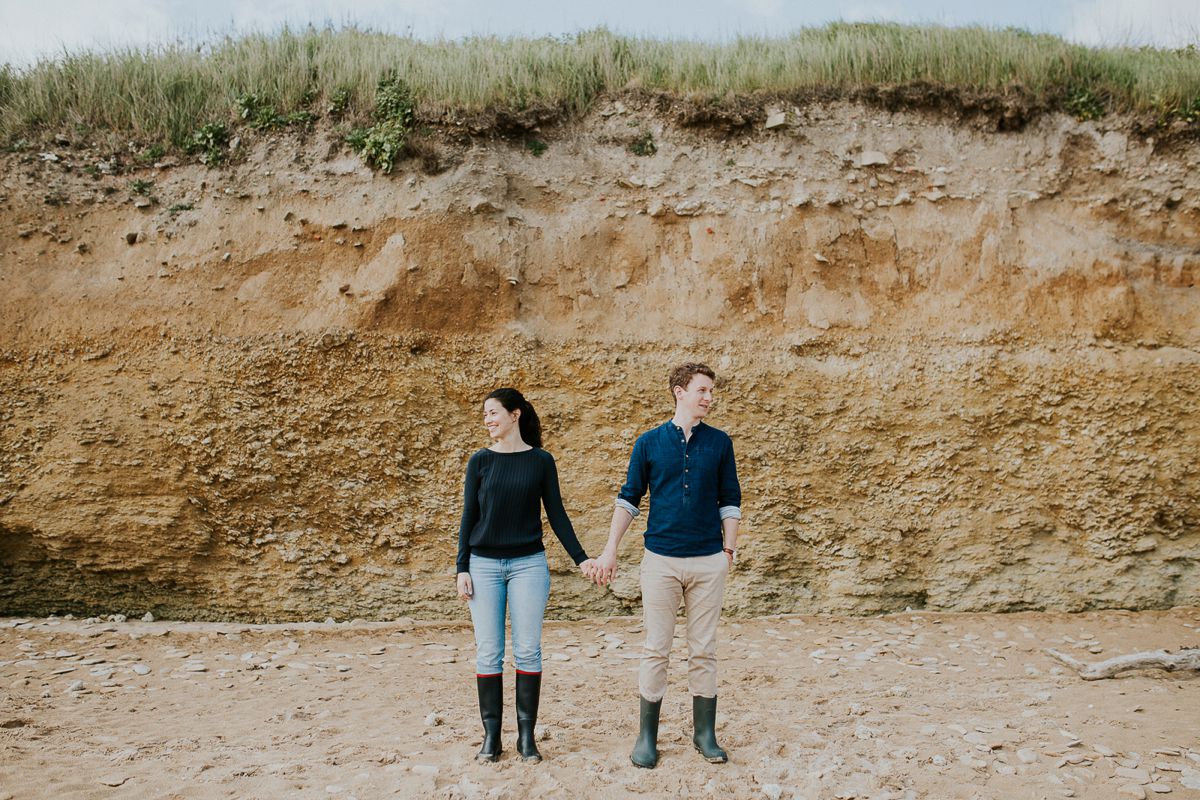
465,588
606,568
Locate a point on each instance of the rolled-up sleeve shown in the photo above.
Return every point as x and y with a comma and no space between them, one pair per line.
729,491
636,480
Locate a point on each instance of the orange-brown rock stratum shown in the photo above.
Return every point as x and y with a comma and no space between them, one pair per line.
960,367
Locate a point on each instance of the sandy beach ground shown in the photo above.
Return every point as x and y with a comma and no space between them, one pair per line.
910,705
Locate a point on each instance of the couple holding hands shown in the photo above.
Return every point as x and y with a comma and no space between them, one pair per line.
695,507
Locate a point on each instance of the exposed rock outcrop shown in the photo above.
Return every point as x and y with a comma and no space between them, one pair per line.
960,367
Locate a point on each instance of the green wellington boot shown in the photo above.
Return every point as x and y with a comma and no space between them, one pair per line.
704,722
529,692
645,750
491,710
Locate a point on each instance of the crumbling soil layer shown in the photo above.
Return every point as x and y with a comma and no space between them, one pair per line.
959,365
905,706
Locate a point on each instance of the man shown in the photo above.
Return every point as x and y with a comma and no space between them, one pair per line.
695,506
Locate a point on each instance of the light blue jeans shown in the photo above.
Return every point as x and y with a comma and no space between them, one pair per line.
523,586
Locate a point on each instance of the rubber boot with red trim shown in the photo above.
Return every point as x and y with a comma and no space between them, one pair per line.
529,690
491,711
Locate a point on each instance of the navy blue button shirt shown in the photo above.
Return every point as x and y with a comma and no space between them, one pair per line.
693,485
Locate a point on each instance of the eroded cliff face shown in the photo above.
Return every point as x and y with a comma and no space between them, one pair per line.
960,367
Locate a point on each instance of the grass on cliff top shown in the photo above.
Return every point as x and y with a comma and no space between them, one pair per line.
168,93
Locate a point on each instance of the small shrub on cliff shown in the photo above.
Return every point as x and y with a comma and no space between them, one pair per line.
1187,111
151,154
209,141
643,145
1190,111
339,102
262,116
536,146
1085,104
384,143
394,102
257,113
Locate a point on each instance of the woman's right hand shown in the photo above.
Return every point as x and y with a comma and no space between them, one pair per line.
465,588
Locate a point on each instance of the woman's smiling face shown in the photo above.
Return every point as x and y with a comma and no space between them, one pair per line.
497,419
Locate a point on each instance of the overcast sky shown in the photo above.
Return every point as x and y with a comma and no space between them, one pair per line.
36,29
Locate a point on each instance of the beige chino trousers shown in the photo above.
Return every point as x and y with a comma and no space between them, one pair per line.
700,583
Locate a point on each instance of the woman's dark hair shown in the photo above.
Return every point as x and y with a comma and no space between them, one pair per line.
530,425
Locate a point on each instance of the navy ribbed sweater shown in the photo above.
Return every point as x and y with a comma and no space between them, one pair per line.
502,498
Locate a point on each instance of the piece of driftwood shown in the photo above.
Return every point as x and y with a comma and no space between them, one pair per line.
1185,658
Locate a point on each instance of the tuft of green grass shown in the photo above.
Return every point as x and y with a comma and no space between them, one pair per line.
536,146
167,93
141,187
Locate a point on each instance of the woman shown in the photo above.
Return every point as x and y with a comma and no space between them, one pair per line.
502,562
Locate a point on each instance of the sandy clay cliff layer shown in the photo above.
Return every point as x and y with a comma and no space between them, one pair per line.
960,366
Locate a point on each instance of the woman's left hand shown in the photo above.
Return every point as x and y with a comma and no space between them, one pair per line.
588,568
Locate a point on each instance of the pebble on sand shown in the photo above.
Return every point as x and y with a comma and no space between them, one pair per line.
1138,776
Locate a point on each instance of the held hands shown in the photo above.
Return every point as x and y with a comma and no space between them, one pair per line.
599,570
602,570
465,587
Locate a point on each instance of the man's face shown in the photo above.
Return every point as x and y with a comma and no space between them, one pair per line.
696,399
